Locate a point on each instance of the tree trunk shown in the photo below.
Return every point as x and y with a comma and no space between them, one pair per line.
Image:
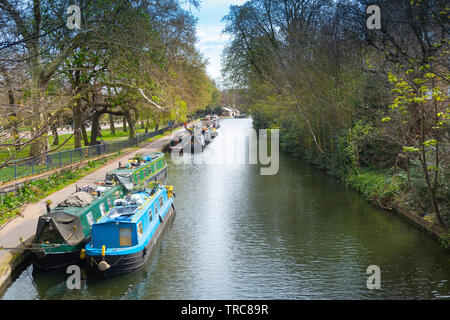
111,125
95,128
15,130
77,118
39,145
83,131
13,121
124,124
99,129
423,161
54,129
129,118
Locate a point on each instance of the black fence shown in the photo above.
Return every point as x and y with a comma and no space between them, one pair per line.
25,167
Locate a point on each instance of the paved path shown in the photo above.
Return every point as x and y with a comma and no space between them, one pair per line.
25,227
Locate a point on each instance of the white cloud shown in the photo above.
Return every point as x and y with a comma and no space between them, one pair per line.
220,3
209,32
211,44
212,34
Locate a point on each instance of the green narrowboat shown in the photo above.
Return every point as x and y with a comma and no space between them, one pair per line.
64,231
150,167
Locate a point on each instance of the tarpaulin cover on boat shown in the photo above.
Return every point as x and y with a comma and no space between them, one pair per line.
78,199
68,225
125,180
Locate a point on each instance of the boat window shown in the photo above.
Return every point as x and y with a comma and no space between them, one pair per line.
89,218
150,214
124,237
110,178
102,208
161,201
139,229
156,209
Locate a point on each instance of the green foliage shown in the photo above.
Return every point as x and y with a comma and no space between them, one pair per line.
445,240
378,187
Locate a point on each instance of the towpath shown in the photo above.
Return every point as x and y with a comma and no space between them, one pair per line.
24,227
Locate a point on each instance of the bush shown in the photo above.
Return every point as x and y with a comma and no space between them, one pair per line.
379,187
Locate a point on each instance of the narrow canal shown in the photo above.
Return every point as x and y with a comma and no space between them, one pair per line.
236,234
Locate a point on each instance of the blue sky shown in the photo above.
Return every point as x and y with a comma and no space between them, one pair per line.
209,31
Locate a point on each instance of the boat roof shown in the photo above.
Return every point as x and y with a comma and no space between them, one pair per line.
78,211
155,157
130,212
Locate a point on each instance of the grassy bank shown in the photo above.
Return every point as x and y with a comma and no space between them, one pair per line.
390,191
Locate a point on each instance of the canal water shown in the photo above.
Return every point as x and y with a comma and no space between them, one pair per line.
237,234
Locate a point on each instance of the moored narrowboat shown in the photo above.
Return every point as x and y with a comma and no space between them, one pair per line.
209,127
123,239
198,142
193,140
213,132
140,169
206,133
179,142
65,230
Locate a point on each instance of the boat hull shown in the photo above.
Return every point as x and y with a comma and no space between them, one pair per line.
120,264
55,261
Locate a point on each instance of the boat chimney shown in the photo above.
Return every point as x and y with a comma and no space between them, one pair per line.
47,205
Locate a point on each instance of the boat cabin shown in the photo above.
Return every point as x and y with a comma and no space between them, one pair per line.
131,222
69,224
136,171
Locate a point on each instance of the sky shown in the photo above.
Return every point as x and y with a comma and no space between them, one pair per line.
209,31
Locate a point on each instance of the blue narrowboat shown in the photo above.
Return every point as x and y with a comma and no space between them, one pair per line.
122,240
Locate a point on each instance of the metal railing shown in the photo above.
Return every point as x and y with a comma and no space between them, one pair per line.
30,166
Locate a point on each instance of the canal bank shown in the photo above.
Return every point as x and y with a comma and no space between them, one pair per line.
22,228
300,234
